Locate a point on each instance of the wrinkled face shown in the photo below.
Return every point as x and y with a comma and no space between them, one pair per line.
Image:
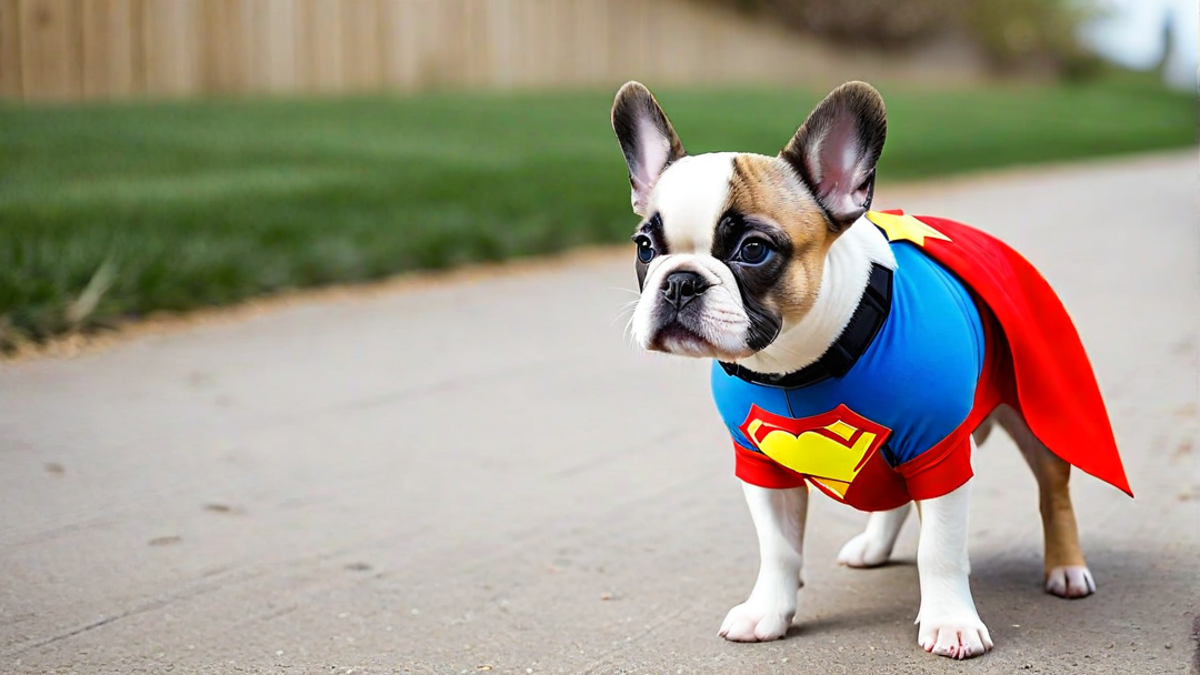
731,247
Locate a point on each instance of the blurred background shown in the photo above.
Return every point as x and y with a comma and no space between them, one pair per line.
474,472
160,155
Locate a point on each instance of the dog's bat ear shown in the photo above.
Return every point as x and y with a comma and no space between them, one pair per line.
836,149
647,139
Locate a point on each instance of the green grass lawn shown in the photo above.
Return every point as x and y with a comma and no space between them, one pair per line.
189,204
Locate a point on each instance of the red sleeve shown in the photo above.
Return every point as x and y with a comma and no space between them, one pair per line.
942,469
757,469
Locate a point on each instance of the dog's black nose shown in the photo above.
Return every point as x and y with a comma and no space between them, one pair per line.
680,287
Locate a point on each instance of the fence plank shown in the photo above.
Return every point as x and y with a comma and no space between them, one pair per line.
477,42
434,39
273,45
172,62
70,49
363,64
592,42
10,49
49,50
225,39
108,48
398,44
321,38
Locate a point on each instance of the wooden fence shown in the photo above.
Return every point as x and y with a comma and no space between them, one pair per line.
84,49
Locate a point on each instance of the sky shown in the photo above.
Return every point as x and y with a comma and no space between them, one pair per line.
1131,34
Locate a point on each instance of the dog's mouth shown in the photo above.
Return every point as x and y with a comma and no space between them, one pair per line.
692,311
691,333
676,338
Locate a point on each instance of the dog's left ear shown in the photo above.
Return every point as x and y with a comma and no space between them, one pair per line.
647,139
836,149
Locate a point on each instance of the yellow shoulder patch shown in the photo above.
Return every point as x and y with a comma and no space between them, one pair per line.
904,228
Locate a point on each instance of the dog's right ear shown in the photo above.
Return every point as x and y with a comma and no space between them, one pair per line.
647,139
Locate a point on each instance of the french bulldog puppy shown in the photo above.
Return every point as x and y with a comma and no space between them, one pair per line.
857,352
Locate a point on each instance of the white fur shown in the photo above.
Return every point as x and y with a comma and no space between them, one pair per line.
724,323
690,196
874,545
779,521
847,269
949,624
1070,581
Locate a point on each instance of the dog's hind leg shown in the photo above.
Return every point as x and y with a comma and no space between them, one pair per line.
874,545
1067,575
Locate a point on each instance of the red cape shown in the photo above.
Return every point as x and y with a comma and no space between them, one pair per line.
1055,388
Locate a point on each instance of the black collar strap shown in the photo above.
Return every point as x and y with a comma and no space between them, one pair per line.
868,318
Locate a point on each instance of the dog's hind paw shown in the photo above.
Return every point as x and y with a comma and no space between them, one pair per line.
750,622
962,638
864,550
1070,581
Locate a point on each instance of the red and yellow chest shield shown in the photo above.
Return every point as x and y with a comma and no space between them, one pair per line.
838,451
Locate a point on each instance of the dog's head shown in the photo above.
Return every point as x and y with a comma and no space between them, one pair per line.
731,249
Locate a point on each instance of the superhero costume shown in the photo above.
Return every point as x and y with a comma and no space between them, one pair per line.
962,324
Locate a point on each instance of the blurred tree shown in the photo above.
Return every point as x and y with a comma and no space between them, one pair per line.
1023,33
1012,34
890,22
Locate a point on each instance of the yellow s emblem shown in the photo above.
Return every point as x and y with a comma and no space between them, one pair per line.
830,448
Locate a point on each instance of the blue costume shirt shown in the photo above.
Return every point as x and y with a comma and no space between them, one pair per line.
892,428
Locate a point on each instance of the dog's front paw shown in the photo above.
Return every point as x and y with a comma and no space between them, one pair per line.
959,637
1070,581
864,550
756,622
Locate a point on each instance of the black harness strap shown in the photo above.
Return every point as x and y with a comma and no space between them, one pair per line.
868,318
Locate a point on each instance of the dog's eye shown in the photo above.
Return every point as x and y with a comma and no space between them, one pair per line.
753,251
645,250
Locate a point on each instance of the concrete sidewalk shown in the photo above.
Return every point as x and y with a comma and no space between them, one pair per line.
484,475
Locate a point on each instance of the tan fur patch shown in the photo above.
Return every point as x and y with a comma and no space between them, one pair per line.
768,187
